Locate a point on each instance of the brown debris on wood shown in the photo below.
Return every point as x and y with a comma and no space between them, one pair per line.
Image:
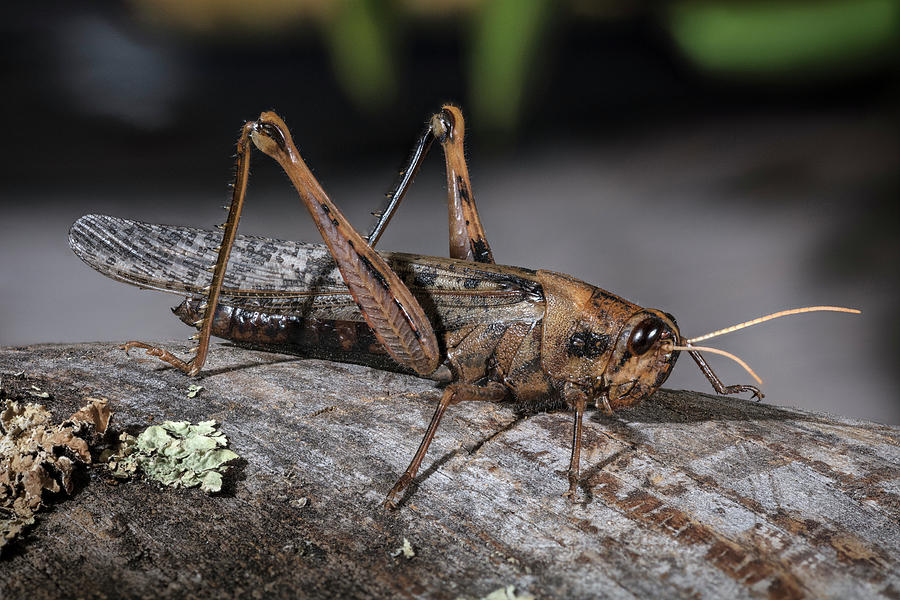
686,495
38,457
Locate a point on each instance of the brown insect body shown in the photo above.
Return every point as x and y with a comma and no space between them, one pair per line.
532,331
489,332
577,334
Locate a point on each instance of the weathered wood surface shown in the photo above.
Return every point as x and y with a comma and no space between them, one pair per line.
687,495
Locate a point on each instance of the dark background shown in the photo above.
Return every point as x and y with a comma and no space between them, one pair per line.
718,160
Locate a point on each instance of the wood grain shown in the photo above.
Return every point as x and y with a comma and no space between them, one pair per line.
686,495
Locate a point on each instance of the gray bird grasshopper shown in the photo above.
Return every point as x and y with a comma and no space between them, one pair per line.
487,332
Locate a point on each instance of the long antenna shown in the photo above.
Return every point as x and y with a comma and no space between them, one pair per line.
690,348
783,313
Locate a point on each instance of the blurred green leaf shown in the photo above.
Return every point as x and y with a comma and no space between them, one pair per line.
507,37
358,37
758,38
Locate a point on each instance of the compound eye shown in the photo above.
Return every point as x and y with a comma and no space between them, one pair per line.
645,335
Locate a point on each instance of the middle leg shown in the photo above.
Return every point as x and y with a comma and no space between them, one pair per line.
467,238
576,398
453,394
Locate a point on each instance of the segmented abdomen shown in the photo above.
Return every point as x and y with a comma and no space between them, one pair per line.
331,339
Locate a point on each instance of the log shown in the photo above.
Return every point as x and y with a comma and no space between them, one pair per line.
686,495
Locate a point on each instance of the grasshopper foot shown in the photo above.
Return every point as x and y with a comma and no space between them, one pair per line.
188,367
392,498
755,392
150,350
572,492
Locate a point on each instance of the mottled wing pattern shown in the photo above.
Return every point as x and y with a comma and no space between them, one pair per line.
177,259
288,277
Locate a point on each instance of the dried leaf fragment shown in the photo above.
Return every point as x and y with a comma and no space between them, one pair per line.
96,413
118,460
37,456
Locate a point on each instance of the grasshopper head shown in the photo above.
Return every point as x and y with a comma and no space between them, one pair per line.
641,359
612,349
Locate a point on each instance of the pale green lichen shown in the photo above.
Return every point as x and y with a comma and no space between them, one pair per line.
193,390
36,392
504,593
406,550
507,593
176,454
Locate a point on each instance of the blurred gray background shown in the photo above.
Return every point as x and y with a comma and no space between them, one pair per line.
717,160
